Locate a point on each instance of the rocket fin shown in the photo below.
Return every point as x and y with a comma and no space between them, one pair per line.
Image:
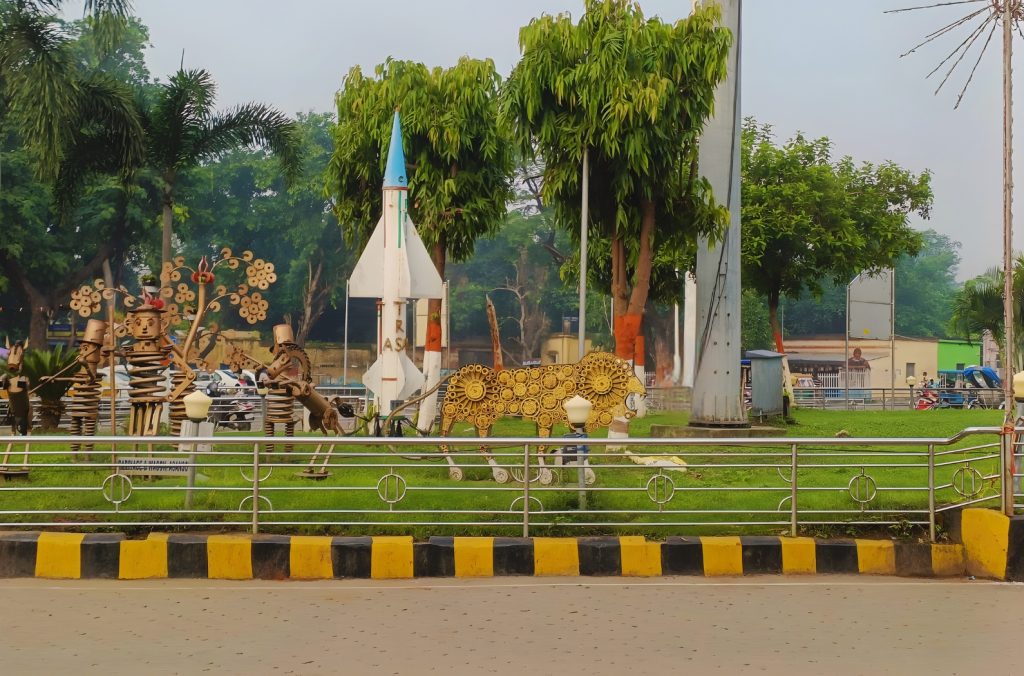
365,281
413,377
372,377
424,282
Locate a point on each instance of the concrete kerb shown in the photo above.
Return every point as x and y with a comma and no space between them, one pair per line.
986,544
281,557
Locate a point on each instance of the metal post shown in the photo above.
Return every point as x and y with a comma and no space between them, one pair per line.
190,430
584,216
581,477
931,492
892,334
526,491
846,353
345,349
255,488
792,492
1008,300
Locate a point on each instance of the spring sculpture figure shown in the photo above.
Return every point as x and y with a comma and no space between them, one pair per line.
85,394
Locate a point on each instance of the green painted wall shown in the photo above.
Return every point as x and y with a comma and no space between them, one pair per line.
954,352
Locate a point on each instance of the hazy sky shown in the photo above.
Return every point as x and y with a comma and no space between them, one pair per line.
825,67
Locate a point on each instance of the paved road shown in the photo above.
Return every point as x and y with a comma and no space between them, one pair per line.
834,625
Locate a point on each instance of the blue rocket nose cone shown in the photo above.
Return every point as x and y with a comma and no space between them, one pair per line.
394,173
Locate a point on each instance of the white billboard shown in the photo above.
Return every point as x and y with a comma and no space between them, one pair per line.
870,298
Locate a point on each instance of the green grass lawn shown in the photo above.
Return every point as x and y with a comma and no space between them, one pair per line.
347,502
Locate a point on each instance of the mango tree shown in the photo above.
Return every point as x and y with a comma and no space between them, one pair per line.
634,94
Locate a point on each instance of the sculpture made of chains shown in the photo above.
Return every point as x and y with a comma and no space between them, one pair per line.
19,411
152,314
479,395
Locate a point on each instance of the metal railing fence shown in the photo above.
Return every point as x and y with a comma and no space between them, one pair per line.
770,485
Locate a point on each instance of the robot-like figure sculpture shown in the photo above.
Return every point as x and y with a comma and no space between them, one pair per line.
479,395
19,406
145,357
282,391
85,394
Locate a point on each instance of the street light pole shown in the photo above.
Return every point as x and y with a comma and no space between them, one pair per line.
1008,350
584,216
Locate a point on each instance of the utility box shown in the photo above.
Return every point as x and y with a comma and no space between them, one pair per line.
766,384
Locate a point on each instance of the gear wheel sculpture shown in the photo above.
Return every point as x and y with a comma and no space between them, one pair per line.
479,395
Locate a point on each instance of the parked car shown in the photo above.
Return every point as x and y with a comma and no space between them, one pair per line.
223,382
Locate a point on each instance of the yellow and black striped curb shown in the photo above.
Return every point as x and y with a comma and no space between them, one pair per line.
279,557
993,543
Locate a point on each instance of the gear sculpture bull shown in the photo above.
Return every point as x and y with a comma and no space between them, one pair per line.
479,395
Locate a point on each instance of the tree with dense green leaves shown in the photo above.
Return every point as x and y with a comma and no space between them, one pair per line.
458,159
808,218
58,106
183,130
925,287
49,247
634,93
244,200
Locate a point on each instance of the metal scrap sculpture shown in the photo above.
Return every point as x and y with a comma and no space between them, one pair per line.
150,318
19,409
85,392
282,391
479,395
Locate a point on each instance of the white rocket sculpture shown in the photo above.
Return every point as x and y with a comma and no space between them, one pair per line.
393,267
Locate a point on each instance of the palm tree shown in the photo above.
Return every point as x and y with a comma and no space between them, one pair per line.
38,367
978,307
52,100
182,131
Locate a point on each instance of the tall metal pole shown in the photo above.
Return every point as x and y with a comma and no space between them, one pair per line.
345,351
584,217
892,337
1008,350
717,398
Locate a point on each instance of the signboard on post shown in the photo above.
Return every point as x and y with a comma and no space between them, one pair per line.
870,306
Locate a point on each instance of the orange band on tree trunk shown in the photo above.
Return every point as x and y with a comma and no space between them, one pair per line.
627,327
433,335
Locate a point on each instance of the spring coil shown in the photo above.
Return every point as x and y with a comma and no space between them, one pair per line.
84,408
177,407
145,379
280,405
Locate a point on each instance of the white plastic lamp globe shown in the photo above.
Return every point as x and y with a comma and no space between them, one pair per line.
577,410
911,381
1018,387
197,406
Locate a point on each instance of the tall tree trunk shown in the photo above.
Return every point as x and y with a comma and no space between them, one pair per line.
313,300
629,305
167,222
37,323
773,320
